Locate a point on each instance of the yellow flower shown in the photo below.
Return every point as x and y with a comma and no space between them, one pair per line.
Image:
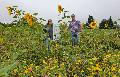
76,75
30,22
93,73
58,75
62,65
82,71
119,71
60,9
93,25
15,70
89,76
9,10
30,69
37,67
114,76
107,56
31,65
97,65
26,71
25,67
79,61
29,18
44,62
97,68
57,46
113,68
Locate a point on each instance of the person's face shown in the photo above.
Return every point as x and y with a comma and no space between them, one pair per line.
50,22
73,17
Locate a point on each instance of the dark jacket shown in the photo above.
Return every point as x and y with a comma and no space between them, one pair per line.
50,31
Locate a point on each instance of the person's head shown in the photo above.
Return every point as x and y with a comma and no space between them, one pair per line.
73,16
50,22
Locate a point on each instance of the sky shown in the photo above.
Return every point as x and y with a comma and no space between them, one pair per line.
47,9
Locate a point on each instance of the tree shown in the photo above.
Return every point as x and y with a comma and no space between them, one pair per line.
104,24
110,23
90,19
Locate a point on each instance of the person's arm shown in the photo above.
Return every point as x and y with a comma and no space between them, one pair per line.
80,27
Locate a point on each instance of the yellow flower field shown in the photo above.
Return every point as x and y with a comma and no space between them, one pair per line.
23,52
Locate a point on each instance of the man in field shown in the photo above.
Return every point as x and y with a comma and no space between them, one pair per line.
75,27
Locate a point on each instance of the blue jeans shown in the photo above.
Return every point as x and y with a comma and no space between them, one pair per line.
75,38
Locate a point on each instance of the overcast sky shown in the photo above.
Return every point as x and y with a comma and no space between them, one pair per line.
48,8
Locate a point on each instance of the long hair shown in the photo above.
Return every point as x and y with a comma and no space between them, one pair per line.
48,23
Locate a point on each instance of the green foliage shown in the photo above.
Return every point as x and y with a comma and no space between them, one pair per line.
26,46
4,72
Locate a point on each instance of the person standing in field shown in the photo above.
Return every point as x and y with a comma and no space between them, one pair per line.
75,27
49,32
49,28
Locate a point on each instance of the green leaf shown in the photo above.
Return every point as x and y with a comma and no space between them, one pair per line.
4,71
15,6
15,16
68,16
35,14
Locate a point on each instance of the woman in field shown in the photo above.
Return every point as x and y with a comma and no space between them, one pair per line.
75,27
49,28
49,32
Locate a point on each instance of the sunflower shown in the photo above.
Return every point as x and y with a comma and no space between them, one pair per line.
10,9
60,9
30,22
29,18
58,75
93,25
